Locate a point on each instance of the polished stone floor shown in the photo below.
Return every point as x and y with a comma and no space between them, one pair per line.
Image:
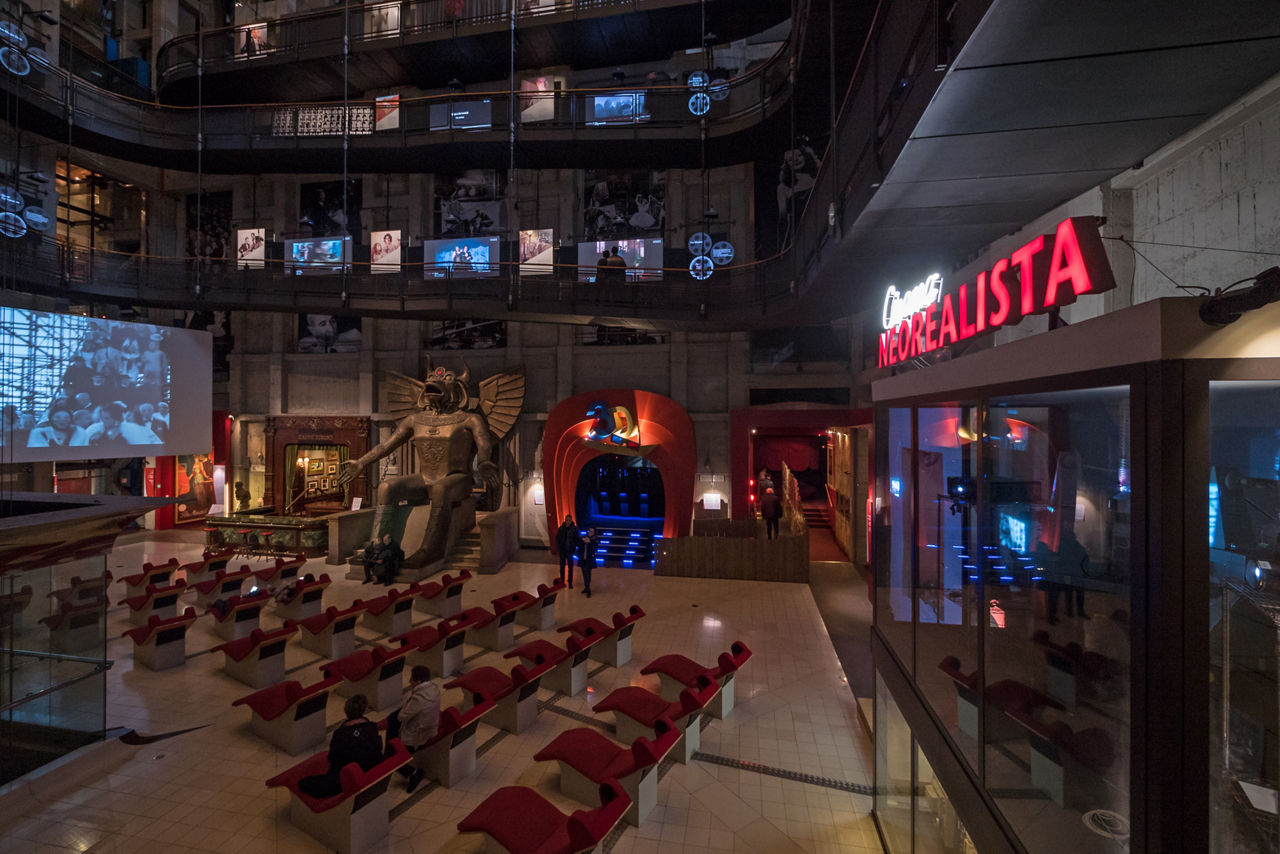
203,790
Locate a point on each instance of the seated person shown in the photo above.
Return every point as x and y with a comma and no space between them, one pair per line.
356,740
372,553
388,560
288,592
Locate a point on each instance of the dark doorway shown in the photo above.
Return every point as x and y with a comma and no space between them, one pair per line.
623,499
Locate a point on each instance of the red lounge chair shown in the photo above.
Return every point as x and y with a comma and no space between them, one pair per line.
676,672
284,569
331,634
607,644
152,575
161,602
75,629
523,822
516,695
442,598
209,563
438,647
450,756
221,585
491,630
378,673
162,644
356,819
81,589
637,711
536,612
568,667
390,614
257,660
240,616
288,715
307,601
588,759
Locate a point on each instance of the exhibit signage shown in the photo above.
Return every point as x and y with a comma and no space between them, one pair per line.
1048,271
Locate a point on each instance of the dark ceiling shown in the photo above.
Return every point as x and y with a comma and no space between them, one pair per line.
1045,101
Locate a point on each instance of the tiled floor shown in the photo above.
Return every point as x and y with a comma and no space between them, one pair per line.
203,790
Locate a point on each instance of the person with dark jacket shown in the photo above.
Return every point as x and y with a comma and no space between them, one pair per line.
587,558
566,545
356,740
771,510
387,562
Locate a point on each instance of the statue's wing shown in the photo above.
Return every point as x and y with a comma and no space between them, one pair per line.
402,393
501,399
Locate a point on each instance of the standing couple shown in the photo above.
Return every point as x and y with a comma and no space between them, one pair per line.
569,542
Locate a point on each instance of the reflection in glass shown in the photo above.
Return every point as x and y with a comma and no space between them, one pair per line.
948,574
1244,612
893,771
1054,524
893,529
938,828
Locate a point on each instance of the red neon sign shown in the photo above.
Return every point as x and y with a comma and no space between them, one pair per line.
1049,271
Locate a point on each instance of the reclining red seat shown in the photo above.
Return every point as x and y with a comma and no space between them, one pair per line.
76,628
284,569
538,612
307,601
438,647
331,634
637,711
1073,669
257,660
523,822
588,759
152,575
221,584
378,673
357,818
442,598
567,671
162,644
389,614
79,589
240,616
288,715
605,643
1068,766
676,672
160,602
209,563
450,756
516,695
490,630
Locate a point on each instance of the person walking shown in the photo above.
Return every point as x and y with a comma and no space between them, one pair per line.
587,558
566,542
771,510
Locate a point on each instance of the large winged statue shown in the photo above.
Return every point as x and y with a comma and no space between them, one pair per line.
449,425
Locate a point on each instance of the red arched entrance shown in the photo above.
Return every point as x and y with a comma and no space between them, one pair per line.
665,435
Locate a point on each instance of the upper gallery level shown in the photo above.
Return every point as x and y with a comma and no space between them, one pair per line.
427,43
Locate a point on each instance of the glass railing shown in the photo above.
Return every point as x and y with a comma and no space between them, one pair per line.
319,32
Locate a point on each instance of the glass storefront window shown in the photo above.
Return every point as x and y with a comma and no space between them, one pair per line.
894,512
938,829
893,771
1244,615
948,576
1055,527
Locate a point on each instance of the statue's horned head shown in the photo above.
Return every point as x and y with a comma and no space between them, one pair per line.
443,390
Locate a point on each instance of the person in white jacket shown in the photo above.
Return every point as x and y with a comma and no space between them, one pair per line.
416,721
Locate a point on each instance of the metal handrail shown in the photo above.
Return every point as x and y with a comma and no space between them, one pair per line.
102,667
56,656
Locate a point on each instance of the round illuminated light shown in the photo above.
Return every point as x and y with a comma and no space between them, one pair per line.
36,218
15,62
11,225
700,243
11,200
722,253
699,104
701,267
719,89
10,33
698,80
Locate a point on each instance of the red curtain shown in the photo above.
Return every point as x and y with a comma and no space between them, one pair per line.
798,452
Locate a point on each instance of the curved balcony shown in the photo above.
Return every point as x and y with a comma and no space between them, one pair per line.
425,42
642,126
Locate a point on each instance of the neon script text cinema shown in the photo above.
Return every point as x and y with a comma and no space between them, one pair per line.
1049,271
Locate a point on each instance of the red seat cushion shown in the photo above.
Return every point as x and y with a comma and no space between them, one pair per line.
640,704
512,601
684,670
519,819
538,652
486,681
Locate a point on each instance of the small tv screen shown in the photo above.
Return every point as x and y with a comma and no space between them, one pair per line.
462,258
78,388
616,108
643,259
1015,531
317,255
461,115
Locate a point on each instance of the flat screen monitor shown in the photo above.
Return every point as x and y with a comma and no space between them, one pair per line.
616,108
317,255
1015,531
462,258
643,258
82,388
462,115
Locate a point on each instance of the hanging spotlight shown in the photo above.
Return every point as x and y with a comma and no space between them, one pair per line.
618,75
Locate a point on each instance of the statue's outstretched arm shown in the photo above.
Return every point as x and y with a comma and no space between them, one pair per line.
351,468
484,448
